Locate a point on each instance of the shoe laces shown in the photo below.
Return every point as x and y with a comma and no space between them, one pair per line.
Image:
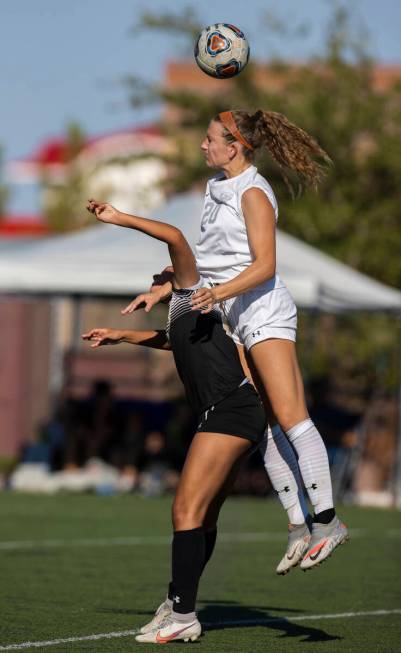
162,606
167,621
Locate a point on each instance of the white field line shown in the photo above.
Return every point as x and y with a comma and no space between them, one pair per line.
207,626
157,540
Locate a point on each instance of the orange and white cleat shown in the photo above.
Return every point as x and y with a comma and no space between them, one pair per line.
172,631
325,538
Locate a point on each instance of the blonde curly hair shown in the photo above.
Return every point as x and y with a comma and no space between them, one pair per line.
292,148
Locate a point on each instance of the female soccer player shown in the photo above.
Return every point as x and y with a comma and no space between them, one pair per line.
231,420
236,256
236,252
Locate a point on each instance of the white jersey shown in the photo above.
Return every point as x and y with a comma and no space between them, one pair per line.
223,250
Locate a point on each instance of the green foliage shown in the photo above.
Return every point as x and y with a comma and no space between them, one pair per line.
184,23
358,354
356,216
4,191
7,464
64,200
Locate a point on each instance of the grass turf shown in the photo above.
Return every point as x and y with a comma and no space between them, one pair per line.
72,589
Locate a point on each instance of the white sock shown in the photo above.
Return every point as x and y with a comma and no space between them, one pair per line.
313,463
282,468
185,618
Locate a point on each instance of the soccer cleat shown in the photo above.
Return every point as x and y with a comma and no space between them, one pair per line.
325,538
172,631
298,542
162,612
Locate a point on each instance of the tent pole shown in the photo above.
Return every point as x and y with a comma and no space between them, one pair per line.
397,466
76,322
56,352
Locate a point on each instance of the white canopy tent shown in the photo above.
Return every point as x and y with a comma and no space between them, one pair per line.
110,261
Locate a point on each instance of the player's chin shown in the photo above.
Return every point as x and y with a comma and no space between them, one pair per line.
210,164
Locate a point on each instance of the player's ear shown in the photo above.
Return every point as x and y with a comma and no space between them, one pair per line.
233,151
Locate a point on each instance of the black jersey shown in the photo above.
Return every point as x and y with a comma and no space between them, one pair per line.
206,357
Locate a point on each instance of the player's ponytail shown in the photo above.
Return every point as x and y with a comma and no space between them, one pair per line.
291,147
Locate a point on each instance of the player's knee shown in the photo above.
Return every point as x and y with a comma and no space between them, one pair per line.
187,515
289,415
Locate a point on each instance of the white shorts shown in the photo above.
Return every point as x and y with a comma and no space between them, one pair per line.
260,314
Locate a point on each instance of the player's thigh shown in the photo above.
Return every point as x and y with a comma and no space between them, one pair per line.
252,373
208,464
277,367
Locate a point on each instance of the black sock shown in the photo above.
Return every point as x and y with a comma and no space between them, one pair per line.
210,541
188,555
324,517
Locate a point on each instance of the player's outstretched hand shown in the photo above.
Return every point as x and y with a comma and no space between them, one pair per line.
203,300
146,301
160,291
102,210
103,337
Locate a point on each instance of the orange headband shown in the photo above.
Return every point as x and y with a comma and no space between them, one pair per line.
228,121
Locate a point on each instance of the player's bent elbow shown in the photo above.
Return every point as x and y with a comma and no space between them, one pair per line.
176,238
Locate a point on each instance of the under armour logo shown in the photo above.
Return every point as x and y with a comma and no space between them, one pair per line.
312,487
255,333
176,599
224,197
285,489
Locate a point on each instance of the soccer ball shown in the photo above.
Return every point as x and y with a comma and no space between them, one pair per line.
221,50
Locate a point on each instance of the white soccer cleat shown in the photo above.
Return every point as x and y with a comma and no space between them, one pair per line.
298,543
172,631
325,538
162,612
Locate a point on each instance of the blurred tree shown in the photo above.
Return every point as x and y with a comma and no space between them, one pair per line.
4,190
64,200
356,214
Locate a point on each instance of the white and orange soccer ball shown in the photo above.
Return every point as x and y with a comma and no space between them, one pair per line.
221,50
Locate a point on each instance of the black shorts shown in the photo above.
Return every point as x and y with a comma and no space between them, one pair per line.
241,414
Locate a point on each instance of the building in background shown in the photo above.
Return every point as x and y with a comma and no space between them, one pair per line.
124,167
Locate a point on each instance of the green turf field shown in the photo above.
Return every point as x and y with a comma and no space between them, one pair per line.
75,566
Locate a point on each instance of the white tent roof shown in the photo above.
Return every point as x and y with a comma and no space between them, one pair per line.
108,260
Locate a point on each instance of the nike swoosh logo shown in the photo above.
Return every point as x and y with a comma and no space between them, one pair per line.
314,553
290,557
163,640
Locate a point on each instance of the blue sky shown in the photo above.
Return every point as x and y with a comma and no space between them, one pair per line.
61,59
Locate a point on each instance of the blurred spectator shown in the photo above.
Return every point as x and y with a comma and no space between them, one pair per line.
51,444
93,426
157,465
181,426
128,449
374,466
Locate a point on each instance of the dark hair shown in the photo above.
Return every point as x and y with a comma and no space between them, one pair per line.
291,147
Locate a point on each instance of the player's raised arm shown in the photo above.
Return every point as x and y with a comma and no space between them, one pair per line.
104,336
182,258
